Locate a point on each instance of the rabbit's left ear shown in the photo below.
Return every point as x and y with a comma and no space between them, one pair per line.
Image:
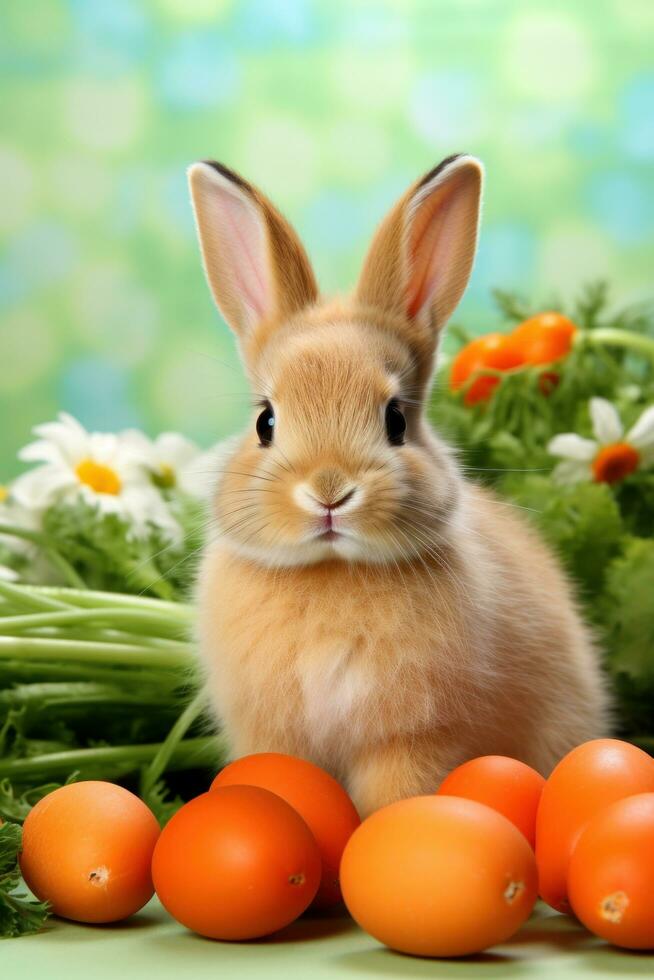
421,257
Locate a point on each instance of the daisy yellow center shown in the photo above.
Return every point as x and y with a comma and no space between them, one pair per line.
4,493
613,463
98,477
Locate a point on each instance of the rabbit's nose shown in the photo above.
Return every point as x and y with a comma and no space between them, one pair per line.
318,498
342,500
333,504
331,488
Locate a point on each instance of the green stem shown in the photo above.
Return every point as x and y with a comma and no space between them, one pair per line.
45,648
163,680
46,696
66,569
145,576
25,596
134,621
614,337
91,598
114,761
161,760
120,638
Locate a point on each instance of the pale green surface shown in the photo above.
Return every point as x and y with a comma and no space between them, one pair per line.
333,106
151,945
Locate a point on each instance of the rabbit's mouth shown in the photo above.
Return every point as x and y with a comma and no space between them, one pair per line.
329,535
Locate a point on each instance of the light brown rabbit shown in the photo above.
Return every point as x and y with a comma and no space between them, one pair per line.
361,604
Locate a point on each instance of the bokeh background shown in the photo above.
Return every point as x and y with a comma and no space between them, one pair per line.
333,106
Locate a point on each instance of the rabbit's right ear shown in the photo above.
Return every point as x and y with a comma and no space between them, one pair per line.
255,264
420,259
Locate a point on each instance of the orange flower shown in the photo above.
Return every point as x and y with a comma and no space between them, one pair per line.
613,463
543,338
493,350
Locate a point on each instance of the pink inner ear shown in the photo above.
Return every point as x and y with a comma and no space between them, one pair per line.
442,240
433,249
243,248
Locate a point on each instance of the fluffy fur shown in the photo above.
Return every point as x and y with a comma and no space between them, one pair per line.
433,625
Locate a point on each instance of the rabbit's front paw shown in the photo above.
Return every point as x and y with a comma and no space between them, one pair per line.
394,770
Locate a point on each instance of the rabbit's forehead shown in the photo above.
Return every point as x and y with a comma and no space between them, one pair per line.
337,364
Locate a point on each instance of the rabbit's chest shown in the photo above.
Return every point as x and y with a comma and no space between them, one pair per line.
315,679
334,685
295,661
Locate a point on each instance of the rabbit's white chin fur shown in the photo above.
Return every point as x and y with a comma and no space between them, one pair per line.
436,625
345,546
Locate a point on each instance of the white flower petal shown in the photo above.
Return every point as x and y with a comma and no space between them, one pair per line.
106,503
68,435
641,434
71,423
8,574
175,450
103,447
571,471
131,471
42,451
607,426
40,487
571,446
137,446
145,507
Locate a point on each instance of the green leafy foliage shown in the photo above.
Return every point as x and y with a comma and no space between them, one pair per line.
19,914
512,430
627,610
106,555
162,803
16,808
603,534
582,522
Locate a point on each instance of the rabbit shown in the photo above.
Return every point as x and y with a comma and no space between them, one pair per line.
361,603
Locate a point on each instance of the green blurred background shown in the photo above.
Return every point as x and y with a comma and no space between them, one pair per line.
333,106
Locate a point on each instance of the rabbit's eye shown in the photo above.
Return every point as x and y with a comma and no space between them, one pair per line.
395,423
265,425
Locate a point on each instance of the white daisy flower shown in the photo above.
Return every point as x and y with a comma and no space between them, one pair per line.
99,468
612,455
174,461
